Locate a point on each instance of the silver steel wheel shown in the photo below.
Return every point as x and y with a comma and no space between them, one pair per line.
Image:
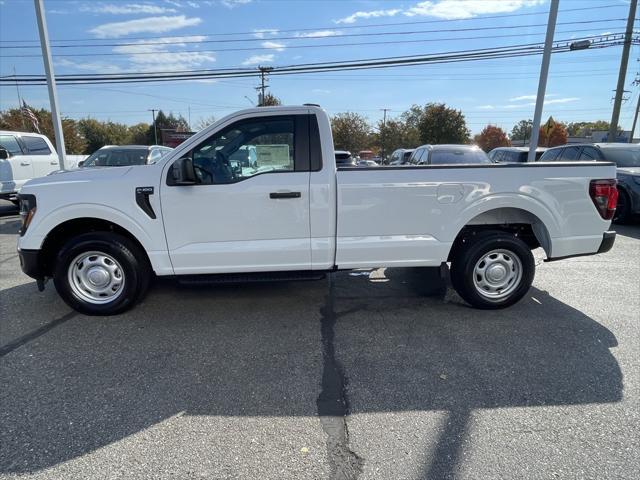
497,274
96,277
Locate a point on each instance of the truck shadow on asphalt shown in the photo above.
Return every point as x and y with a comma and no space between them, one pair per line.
257,350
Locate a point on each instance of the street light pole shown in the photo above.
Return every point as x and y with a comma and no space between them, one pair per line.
542,84
51,82
155,129
384,125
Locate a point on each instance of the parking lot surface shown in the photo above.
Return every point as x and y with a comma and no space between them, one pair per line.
366,375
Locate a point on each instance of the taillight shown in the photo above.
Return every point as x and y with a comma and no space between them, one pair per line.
604,194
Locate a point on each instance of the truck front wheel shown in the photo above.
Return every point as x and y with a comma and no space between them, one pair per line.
101,273
492,270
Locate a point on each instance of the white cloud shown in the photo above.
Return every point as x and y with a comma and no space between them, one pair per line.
560,100
153,55
370,14
234,3
321,91
144,25
258,59
274,45
523,97
486,107
319,34
127,8
95,67
262,32
447,9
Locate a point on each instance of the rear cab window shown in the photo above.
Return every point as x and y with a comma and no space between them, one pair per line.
10,144
570,154
36,145
550,155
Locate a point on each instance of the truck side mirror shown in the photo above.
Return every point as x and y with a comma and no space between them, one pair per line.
81,163
182,172
4,154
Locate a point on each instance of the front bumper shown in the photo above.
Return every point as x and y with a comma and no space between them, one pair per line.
30,264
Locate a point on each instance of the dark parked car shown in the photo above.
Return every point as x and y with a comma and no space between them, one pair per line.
448,155
125,155
626,156
513,154
344,159
401,156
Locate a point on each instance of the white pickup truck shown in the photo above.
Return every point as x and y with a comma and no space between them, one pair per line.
288,213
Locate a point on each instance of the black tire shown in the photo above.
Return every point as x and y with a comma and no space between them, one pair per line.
135,272
469,253
623,209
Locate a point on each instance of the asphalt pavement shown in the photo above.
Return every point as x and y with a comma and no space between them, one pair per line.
382,374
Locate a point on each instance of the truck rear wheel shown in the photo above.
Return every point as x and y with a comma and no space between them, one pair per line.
492,270
101,273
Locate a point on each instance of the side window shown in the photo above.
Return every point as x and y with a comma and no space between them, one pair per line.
550,155
416,156
246,149
498,155
395,156
569,154
36,145
10,144
589,153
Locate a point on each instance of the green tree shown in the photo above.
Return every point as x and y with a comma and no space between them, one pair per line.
394,134
166,122
13,119
351,132
584,129
138,134
439,124
270,100
97,134
522,130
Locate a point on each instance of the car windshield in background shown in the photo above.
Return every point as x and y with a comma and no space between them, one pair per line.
117,157
450,156
623,157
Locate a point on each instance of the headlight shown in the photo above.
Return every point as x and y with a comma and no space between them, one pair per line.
27,210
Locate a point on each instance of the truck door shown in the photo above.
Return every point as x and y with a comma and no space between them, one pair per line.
246,215
43,159
15,170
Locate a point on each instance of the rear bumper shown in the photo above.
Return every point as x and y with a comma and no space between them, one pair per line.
608,239
30,264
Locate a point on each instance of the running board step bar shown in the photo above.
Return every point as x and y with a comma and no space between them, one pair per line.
258,277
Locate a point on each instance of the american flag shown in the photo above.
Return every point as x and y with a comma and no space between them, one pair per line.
27,111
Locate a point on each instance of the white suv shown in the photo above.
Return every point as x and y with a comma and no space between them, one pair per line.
23,156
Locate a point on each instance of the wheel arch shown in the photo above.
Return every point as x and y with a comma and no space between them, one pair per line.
516,221
68,229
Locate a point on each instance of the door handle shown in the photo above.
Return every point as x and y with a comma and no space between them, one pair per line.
285,195
54,163
25,164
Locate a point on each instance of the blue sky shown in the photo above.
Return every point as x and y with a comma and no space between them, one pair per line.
202,34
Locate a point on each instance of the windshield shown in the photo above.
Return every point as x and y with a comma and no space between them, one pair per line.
117,157
623,157
458,155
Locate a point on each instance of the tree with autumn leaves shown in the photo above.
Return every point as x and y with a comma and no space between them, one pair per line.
554,136
492,137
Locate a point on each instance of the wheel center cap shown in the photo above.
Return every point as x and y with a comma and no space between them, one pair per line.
497,273
98,277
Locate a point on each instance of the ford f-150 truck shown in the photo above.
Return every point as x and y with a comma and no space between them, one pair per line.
200,215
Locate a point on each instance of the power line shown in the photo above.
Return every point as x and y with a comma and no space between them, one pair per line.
350,44
349,35
343,27
508,51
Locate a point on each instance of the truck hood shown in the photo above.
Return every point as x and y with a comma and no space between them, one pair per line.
630,170
82,175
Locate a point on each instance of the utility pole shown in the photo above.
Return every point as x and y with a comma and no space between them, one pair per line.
51,82
635,120
189,110
384,125
155,129
615,116
542,84
263,86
